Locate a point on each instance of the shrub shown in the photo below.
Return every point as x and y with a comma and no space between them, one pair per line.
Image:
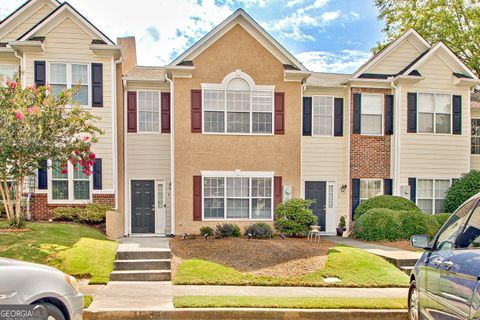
441,218
66,213
387,202
378,224
294,217
259,231
93,213
461,190
414,222
228,230
206,230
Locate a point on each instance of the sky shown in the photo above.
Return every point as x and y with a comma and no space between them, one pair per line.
325,35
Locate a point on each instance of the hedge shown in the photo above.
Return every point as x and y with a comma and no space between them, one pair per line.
388,202
461,190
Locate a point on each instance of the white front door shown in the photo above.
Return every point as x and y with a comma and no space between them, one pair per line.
160,207
331,217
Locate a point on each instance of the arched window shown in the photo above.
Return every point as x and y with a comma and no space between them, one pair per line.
238,106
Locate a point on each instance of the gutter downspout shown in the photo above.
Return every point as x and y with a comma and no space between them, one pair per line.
397,131
302,187
126,187
172,156
114,129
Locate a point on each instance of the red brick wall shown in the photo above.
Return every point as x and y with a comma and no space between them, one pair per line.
369,155
40,209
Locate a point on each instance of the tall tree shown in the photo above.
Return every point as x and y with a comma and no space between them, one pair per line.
36,126
454,22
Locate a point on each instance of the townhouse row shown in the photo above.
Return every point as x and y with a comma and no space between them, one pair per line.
236,124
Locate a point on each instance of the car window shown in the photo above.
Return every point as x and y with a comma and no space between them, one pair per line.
470,237
450,230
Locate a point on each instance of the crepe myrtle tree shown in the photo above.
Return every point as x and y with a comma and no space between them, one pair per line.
35,126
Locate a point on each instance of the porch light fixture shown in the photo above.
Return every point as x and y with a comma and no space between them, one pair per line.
343,187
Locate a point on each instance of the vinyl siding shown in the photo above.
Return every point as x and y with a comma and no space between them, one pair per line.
68,42
396,60
37,14
326,158
435,155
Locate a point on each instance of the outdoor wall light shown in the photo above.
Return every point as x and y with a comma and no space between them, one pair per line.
343,187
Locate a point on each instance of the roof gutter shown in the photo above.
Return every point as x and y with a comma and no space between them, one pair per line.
172,156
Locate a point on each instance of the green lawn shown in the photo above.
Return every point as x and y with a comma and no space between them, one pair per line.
355,267
283,302
75,249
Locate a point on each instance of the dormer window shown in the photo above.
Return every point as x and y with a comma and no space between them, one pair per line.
238,106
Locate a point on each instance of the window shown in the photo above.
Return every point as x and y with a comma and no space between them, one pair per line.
434,113
475,135
148,111
372,114
452,227
431,193
238,198
8,72
64,76
370,188
322,116
470,237
238,107
69,185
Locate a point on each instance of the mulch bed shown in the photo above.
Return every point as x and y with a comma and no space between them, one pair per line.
274,257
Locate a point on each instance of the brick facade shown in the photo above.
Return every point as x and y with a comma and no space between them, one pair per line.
369,155
41,210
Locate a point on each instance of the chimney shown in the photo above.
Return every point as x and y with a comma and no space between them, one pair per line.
129,53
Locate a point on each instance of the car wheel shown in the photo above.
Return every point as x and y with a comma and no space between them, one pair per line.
413,302
53,312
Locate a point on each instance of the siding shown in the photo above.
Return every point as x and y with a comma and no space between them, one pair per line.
68,42
397,59
435,155
326,158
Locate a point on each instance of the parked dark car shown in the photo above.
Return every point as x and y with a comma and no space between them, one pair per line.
445,281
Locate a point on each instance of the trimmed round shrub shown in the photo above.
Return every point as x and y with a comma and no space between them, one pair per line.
228,230
206,230
294,217
259,231
66,213
379,224
387,202
93,213
441,218
461,190
414,222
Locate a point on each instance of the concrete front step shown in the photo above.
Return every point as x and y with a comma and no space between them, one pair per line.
141,275
407,270
137,255
142,264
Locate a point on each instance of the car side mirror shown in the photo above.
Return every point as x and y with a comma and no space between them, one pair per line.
421,242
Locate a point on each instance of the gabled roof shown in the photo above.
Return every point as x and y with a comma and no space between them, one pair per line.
389,48
146,73
22,8
240,17
324,79
62,8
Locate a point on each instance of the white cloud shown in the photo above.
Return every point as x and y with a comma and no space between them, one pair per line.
330,15
344,61
317,4
355,15
292,3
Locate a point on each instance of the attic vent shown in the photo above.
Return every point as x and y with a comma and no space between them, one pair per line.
3,44
41,39
98,41
188,63
415,73
461,75
289,67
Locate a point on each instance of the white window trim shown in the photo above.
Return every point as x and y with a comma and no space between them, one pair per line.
223,87
238,174
471,136
69,77
12,66
333,117
70,188
159,113
368,180
382,125
434,114
433,191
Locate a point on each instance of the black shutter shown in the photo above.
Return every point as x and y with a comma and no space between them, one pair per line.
338,121
97,175
307,116
40,73
97,85
355,195
412,182
412,112
357,112
388,114
43,176
387,187
457,115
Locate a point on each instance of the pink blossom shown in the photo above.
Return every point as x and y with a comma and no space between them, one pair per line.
90,163
92,156
32,110
75,168
77,152
73,160
65,171
20,115
13,84
85,138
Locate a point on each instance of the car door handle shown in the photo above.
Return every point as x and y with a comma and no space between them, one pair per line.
437,263
448,264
